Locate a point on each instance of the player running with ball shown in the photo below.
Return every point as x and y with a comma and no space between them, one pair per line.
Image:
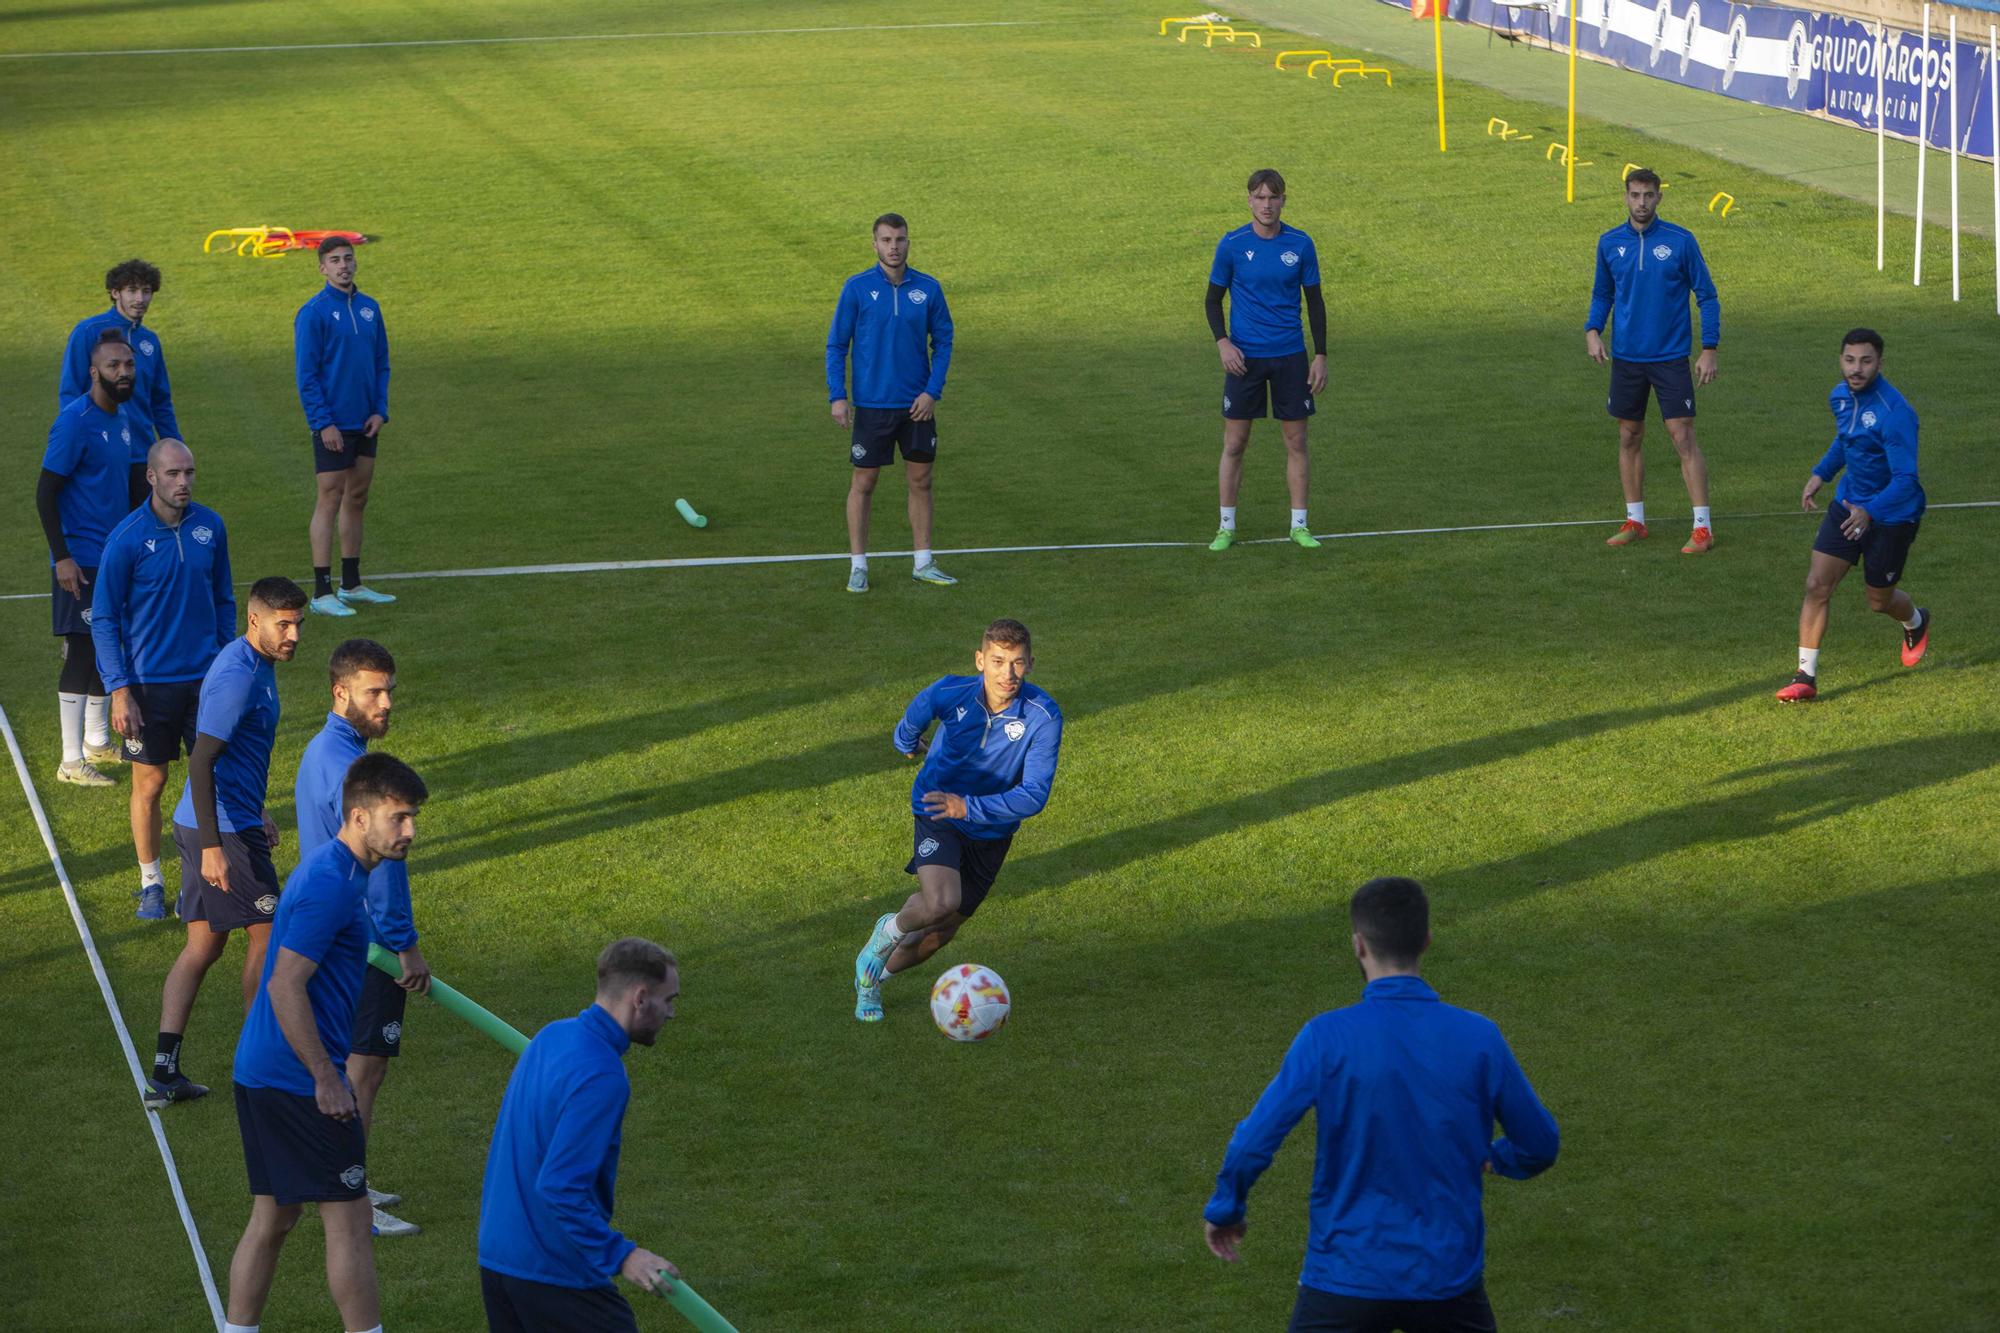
990,765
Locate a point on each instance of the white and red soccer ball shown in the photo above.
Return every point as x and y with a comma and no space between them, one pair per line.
969,1002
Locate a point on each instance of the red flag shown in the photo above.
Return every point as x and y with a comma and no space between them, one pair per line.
1423,9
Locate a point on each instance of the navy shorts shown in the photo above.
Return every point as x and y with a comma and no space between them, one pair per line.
70,614
252,899
378,1016
1281,379
356,445
977,860
169,712
1881,552
295,1152
880,431
1631,381
518,1305
1326,1312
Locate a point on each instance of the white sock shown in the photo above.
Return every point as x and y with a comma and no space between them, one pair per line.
376,1329
1809,661
1229,518
1635,512
96,720
70,709
892,935
1916,619
1298,518
923,557
239,1328
1701,517
858,563
149,873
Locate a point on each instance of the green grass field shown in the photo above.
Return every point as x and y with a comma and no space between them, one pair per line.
1744,951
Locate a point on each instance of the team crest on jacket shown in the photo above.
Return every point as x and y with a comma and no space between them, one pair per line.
1290,257
1663,252
917,298
1868,420
203,534
1016,729
368,314
146,346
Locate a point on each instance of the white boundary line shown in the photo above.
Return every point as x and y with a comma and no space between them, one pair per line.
712,561
517,41
117,1021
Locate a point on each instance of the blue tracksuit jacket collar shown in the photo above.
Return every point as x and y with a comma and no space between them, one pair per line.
131,325
333,293
154,523
1399,988
344,729
599,1021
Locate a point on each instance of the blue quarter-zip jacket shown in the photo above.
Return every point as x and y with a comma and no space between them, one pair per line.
1004,763
545,1207
93,449
316,797
320,917
901,337
151,406
1405,1090
341,348
1875,439
1643,283
163,605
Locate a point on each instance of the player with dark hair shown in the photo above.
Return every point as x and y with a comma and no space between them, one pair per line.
896,320
162,609
221,830
1875,511
341,346
132,286
303,1140
1646,270
991,765
362,675
1405,1090
547,1251
1264,268
82,494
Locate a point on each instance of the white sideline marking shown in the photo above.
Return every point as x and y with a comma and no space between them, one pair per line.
517,41
708,561
117,1021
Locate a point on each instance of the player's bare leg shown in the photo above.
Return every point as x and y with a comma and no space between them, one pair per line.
148,781
255,1262
1229,476
1823,575
327,504
939,891
917,949
1632,460
365,1074
860,496
918,475
1694,473
354,505
1298,478
256,938
350,1261
200,953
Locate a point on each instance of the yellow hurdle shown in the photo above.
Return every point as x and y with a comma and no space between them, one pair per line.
1720,196
1279,63
1331,63
1190,25
1560,152
250,242
1364,71
1506,132
1165,22
1216,30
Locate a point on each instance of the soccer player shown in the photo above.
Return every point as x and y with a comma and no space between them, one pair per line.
341,346
547,1251
363,677
221,830
132,285
1263,269
1875,511
1646,269
162,609
990,765
302,1136
81,496
897,322
1405,1090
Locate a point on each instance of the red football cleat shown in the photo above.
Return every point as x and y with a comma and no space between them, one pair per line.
1701,539
1803,690
1631,530
1918,639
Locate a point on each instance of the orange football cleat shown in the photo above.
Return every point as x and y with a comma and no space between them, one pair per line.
1701,539
1803,689
1918,639
1631,530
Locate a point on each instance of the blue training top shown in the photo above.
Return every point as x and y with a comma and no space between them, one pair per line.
552,1168
1003,763
340,350
1265,279
316,797
239,705
1405,1090
93,448
152,403
901,335
1875,439
321,917
1643,282
162,606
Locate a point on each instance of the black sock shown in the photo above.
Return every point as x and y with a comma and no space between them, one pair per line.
167,1060
322,580
350,571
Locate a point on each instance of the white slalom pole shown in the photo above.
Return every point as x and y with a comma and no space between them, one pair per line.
1881,200
1993,111
1951,45
1923,131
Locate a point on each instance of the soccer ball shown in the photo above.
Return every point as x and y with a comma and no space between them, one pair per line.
969,1002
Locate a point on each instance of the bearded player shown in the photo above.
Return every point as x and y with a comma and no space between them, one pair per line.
989,766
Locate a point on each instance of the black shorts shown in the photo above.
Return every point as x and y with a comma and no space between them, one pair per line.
517,1305
356,445
977,860
1881,552
1282,378
295,1152
1324,1312
880,431
169,711
1672,381
71,615
378,1017
252,899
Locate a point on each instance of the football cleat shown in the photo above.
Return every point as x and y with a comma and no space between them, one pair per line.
867,1002
1701,539
329,605
874,954
857,580
1224,539
1631,530
1915,641
382,1198
108,753
152,903
176,1087
1303,537
932,574
1803,689
385,1225
79,773
363,595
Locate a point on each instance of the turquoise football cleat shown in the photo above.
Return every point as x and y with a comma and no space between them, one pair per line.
932,574
867,1003
874,955
329,605
363,595
857,580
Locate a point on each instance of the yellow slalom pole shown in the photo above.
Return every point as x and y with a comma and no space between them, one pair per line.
1437,46
1570,160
